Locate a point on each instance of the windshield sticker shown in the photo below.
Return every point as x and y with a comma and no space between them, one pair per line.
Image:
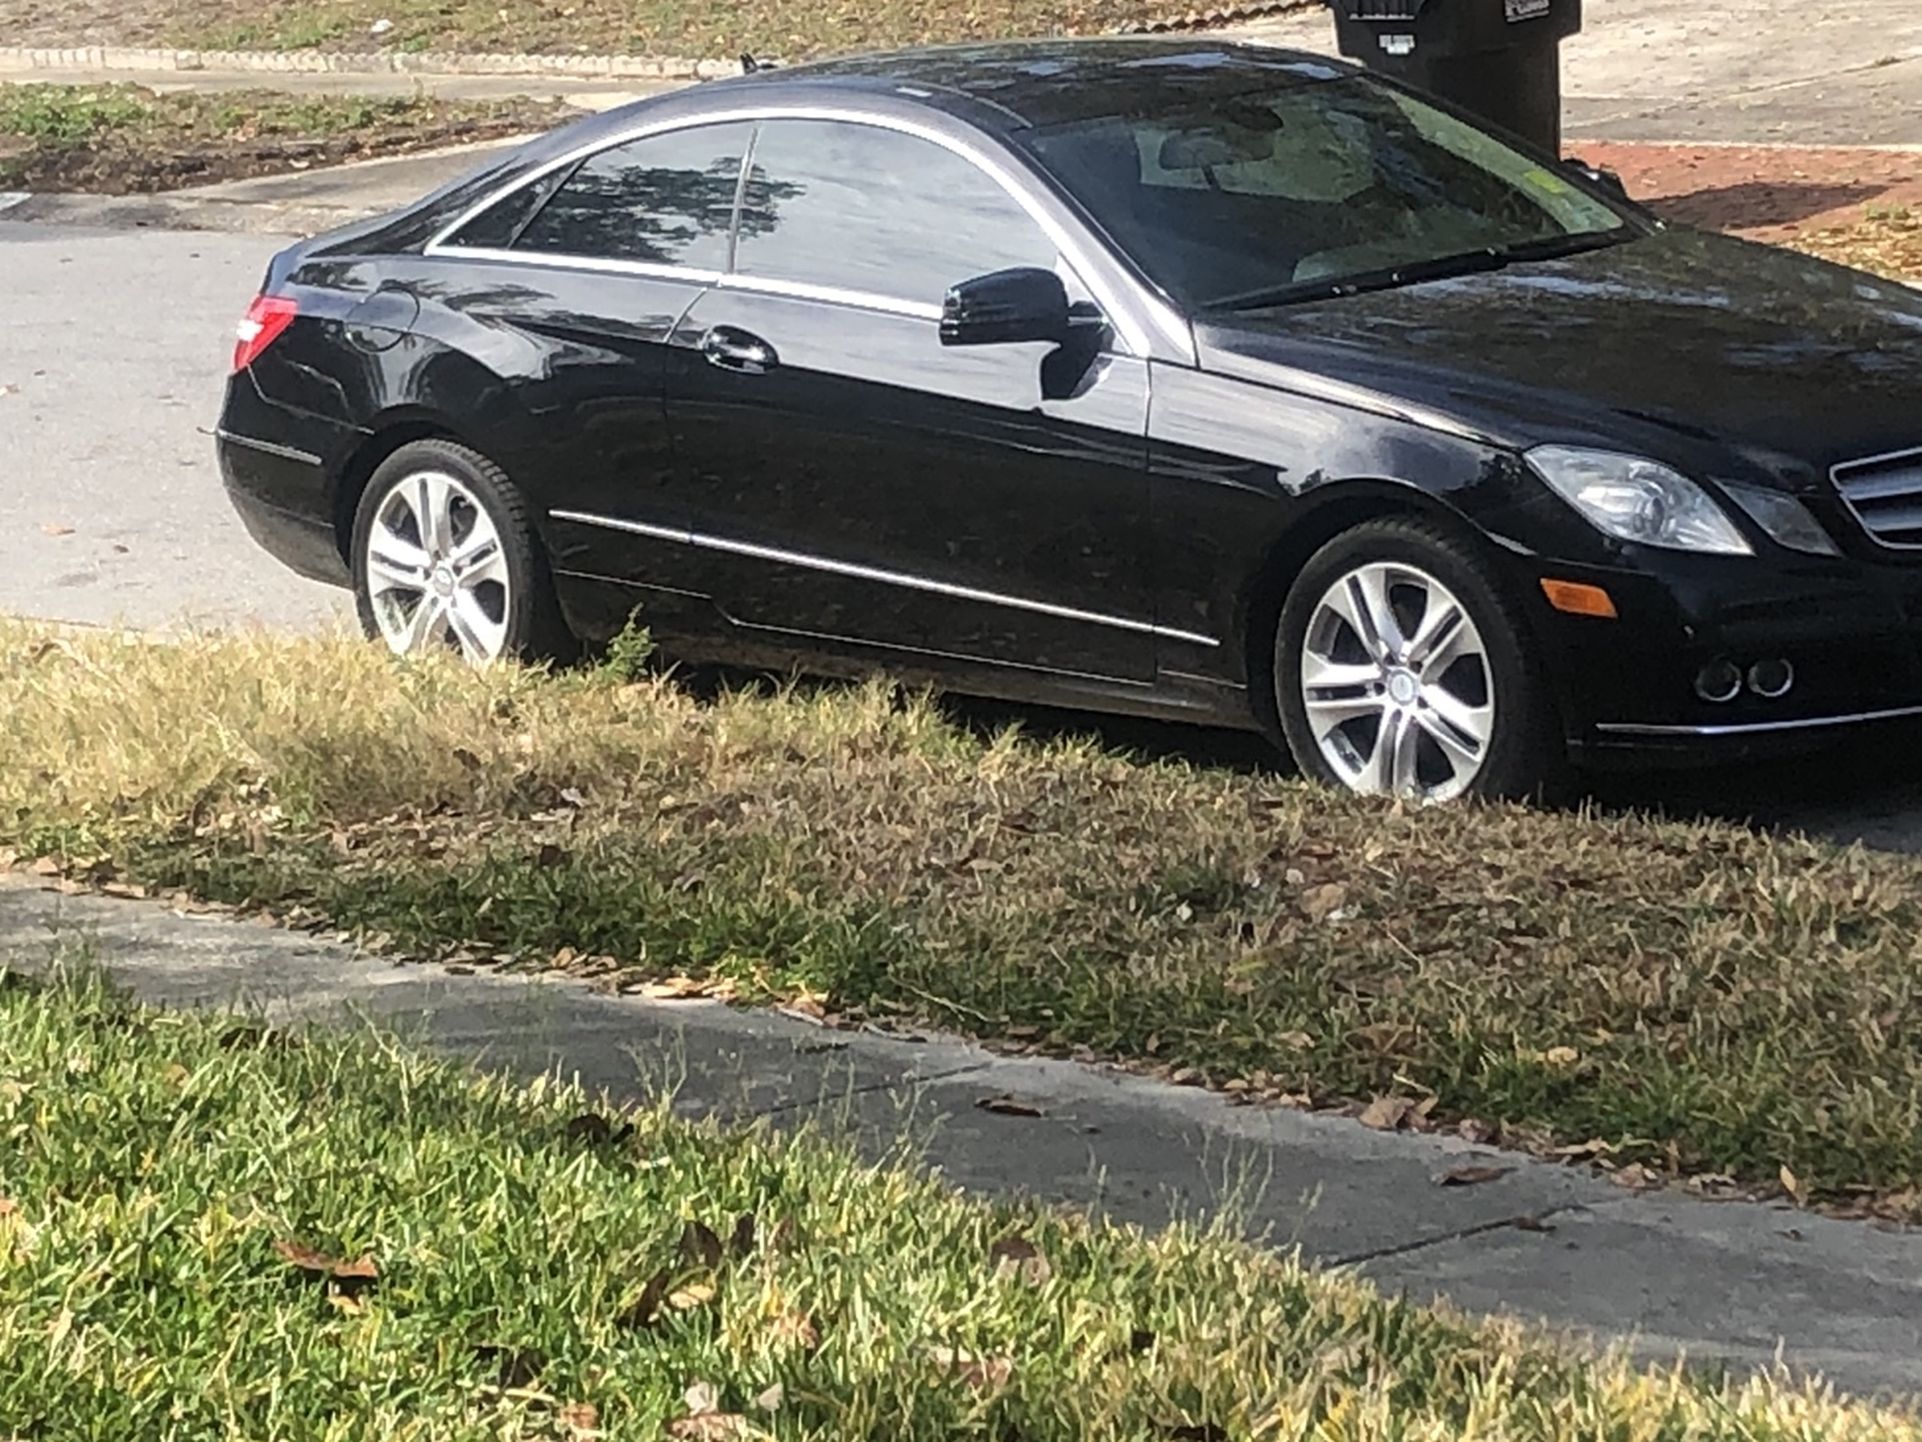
1546,181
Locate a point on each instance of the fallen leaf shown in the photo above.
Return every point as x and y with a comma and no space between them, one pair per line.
307,1259
741,1241
1561,1056
795,1329
1635,1176
694,1294
595,1130
1472,1176
346,1302
514,1367
772,1398
700,1245
1388,1114
1792,1184
580,1419
1009,1106
1017,1256
1319,903
673,988
709,1427
56,528
980,1374
1586,1151
1295,1040
642,1311
45,866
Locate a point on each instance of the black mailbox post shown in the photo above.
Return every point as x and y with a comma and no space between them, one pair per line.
1499,59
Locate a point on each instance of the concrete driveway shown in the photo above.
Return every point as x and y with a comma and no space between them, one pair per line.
1842,72
113,350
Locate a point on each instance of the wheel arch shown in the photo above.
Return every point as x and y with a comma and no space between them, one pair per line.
389,431
1331,509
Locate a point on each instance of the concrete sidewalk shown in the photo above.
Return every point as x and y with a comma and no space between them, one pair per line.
1721,1282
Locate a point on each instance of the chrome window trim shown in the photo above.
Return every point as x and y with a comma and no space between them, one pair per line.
540,259
1635,728
832,295
1129,307
875,573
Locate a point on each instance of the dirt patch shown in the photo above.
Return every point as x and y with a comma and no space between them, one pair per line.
119,140
1861,207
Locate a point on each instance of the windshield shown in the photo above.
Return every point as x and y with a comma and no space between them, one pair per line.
1314,189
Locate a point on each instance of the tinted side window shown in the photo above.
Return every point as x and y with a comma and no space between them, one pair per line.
497,226
666,199
860,208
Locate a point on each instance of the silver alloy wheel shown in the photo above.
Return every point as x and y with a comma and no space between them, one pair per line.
435,570
1396,684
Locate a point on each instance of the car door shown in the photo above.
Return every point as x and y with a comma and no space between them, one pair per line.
851,478
569,288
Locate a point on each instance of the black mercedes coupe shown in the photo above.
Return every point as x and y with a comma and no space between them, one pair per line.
1171,377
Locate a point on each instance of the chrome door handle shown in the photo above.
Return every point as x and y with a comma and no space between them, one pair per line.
738,350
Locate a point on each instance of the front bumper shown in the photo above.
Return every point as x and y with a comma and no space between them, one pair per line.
1850,627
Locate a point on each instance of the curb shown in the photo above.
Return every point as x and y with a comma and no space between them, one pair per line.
108,59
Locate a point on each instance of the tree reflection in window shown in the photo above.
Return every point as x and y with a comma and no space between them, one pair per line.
666,199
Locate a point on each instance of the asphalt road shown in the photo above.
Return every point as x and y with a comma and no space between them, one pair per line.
113,352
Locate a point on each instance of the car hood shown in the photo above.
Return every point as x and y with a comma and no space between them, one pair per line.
1711,354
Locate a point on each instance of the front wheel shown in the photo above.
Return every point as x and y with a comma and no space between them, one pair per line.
445,559
1400,670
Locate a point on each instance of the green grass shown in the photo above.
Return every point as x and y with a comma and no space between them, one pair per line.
515,1273
1694,998
116,138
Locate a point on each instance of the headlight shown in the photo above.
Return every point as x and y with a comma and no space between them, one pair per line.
1638,500
1786,519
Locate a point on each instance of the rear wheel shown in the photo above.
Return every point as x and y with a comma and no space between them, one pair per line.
1400,670
445,559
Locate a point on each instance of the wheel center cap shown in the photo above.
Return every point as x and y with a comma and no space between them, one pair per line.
443,579
1403,688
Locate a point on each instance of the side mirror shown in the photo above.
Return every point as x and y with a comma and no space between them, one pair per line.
1009,306
1607,179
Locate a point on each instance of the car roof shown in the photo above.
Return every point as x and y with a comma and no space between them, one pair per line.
1038,83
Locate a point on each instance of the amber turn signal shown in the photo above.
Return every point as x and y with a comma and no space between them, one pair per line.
1577,599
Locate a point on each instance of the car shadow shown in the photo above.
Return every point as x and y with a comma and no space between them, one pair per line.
1866,789
1755,204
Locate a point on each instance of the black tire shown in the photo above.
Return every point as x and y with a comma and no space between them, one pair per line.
1527,756
535,627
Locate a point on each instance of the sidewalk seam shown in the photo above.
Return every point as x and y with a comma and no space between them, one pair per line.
1401,1249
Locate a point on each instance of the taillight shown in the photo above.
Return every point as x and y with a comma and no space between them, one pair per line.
266,318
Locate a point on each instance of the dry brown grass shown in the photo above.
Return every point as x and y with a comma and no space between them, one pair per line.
1693,999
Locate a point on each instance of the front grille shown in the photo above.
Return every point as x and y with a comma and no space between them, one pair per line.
1384,9
1886,495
